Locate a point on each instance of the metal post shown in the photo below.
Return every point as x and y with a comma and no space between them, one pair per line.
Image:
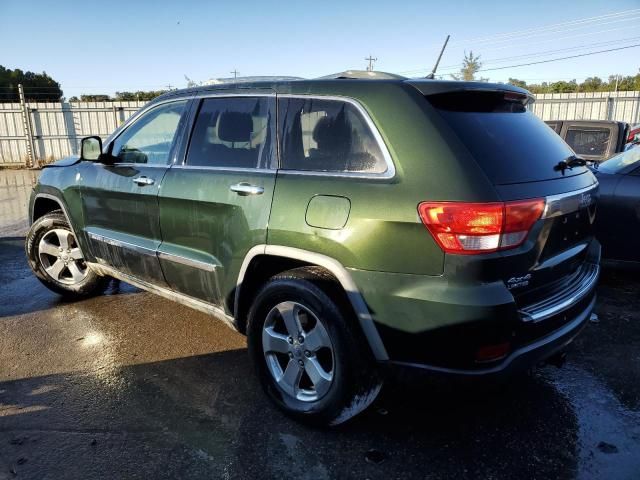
26,124
610,107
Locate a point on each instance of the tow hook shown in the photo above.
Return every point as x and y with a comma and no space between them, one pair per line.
557,360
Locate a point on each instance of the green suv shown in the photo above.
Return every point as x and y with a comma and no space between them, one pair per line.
342,224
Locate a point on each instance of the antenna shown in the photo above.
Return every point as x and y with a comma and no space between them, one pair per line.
432,75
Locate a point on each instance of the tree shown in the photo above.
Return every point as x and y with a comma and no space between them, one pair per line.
139,95
37,86
592,84
470,66
517,83
91,98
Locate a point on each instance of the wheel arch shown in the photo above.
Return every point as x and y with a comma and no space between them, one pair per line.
290,257
44,203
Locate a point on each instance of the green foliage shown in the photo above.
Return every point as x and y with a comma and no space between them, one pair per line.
591,84
517,83
139,95
91,98
470,66
120,97
37,86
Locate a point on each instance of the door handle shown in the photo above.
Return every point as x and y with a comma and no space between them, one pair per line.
142,181
245,189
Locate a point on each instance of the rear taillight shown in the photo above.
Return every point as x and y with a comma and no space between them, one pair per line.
468,228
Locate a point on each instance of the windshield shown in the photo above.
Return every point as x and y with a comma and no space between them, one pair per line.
509,142
621,161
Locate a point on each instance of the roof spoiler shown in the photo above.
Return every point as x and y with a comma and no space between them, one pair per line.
434,87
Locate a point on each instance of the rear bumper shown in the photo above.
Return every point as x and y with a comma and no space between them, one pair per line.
522,358
432,323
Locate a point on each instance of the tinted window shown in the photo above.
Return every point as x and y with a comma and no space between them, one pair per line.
621,161
556,126
594,141
149,139
233,132
509,142
328,136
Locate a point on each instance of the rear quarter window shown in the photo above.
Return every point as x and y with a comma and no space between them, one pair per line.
327,136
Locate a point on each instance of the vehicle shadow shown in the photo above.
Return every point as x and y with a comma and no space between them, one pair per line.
22,292
205,416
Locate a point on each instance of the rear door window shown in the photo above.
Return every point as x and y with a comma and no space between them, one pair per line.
327,136
509,142
234,132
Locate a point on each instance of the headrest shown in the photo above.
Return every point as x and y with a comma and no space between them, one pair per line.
333,133
235,127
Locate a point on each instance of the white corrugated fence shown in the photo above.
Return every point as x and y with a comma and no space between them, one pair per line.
54,129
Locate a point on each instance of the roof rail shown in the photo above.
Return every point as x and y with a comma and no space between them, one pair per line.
363,75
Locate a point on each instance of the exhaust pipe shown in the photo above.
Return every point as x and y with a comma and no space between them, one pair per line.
557,360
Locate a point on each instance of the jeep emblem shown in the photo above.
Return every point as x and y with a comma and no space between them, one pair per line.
585,199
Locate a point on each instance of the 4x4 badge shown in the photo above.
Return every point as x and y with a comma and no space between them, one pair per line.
515,282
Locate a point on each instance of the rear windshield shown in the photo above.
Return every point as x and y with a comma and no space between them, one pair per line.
509,142
591,141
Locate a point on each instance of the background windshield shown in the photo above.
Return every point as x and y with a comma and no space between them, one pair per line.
621,161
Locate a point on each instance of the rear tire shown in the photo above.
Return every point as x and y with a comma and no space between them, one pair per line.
55,257
311,359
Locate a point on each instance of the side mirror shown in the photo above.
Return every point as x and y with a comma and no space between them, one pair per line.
90,148
636,138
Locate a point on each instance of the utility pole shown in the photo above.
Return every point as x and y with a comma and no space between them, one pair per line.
235,74
371,60
169,87
617,78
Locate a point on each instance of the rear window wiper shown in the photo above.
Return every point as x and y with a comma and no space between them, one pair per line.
569,163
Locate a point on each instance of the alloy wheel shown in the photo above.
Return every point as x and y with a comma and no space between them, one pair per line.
298,351
61,257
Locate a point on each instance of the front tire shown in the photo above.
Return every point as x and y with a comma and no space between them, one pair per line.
55,257
310,358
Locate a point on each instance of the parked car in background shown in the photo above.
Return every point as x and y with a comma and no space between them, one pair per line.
593,140
342,224
618,218
634,141
634,134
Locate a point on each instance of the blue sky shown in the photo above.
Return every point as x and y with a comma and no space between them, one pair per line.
102,47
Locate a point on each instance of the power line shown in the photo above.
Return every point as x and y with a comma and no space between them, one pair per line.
560,58
502,59
533,54
450,67
555,26
528,37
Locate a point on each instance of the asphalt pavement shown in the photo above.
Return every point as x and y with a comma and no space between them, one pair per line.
130,385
